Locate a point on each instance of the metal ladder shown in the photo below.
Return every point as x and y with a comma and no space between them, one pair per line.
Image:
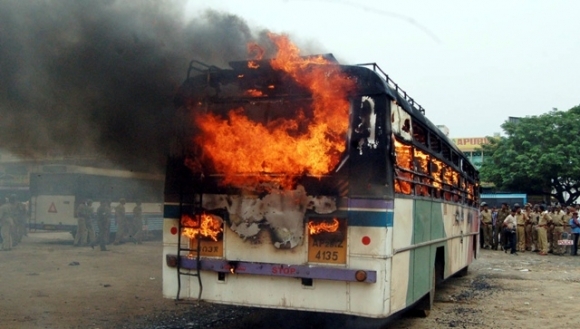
196,250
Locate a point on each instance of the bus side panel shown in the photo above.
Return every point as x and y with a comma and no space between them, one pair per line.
56,212
458,249
401,270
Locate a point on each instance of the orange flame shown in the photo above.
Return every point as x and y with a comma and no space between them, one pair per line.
319,227
238,145
254,93
404,160
210,227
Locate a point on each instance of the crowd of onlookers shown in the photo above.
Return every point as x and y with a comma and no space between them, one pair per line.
537,228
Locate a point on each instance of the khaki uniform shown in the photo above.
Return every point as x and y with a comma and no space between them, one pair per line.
558,220
543,232
90,216
534,219
81,235
122,224
501,216
529,229
521,219
550,231
6,224
19,227
486,223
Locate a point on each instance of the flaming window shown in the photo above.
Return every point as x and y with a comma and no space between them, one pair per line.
205,226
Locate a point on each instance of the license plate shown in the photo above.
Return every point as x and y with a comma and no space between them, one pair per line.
327,251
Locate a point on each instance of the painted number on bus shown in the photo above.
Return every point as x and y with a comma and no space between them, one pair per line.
210,248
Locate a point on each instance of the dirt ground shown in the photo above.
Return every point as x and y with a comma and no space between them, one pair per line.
45,282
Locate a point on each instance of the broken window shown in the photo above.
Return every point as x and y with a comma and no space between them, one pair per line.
404,167
401,122
419,134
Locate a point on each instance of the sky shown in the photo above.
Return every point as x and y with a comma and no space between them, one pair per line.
471,65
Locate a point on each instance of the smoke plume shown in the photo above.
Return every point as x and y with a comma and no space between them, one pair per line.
98,77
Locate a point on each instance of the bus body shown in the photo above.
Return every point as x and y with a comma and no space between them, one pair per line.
56,194
372,236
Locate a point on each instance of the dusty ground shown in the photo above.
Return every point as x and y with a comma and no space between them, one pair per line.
42,287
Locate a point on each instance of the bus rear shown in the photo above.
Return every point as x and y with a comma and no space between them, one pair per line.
276,189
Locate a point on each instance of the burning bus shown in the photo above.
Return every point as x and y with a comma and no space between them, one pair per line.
322,186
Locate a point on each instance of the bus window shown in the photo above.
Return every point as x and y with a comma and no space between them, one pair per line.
419,134
434,143
404,161
401,122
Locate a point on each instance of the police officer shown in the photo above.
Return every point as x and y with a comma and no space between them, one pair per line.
122,224
81,235
486,223
543,231
7,222
104,223
509,230
137,223
521,220
529,225
90,216
558,220
503,212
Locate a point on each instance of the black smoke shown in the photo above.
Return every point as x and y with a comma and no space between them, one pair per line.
98,77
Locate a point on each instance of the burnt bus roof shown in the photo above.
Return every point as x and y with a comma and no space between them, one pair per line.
368,82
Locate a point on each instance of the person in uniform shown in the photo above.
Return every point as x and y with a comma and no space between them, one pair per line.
534,219
509,228
575,227
81,235
550,227
104,223
137,223
19,227
122,224
521,219
529,226
543,231
90,216
502,213
558,219
7,211
486,223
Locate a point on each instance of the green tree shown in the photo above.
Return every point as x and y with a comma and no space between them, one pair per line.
539,155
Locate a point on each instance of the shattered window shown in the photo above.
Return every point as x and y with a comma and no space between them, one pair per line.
434,143
401,122
404,168
419,134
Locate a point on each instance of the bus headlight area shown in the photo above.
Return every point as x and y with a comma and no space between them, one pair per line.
277,270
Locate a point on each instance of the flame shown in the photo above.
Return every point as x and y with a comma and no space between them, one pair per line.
210,227
254,93
284,146
319,227
404,160
253,65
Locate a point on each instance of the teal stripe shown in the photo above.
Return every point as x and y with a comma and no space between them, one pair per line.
370,218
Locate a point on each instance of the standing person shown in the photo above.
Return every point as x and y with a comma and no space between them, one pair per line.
550,228
90,216
575,225
509,230
503,212
104,223
19,218
121,220
534,219
521,219
543,231
81,235
558,220
6,223
494,224
529,226
486,223
137,224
